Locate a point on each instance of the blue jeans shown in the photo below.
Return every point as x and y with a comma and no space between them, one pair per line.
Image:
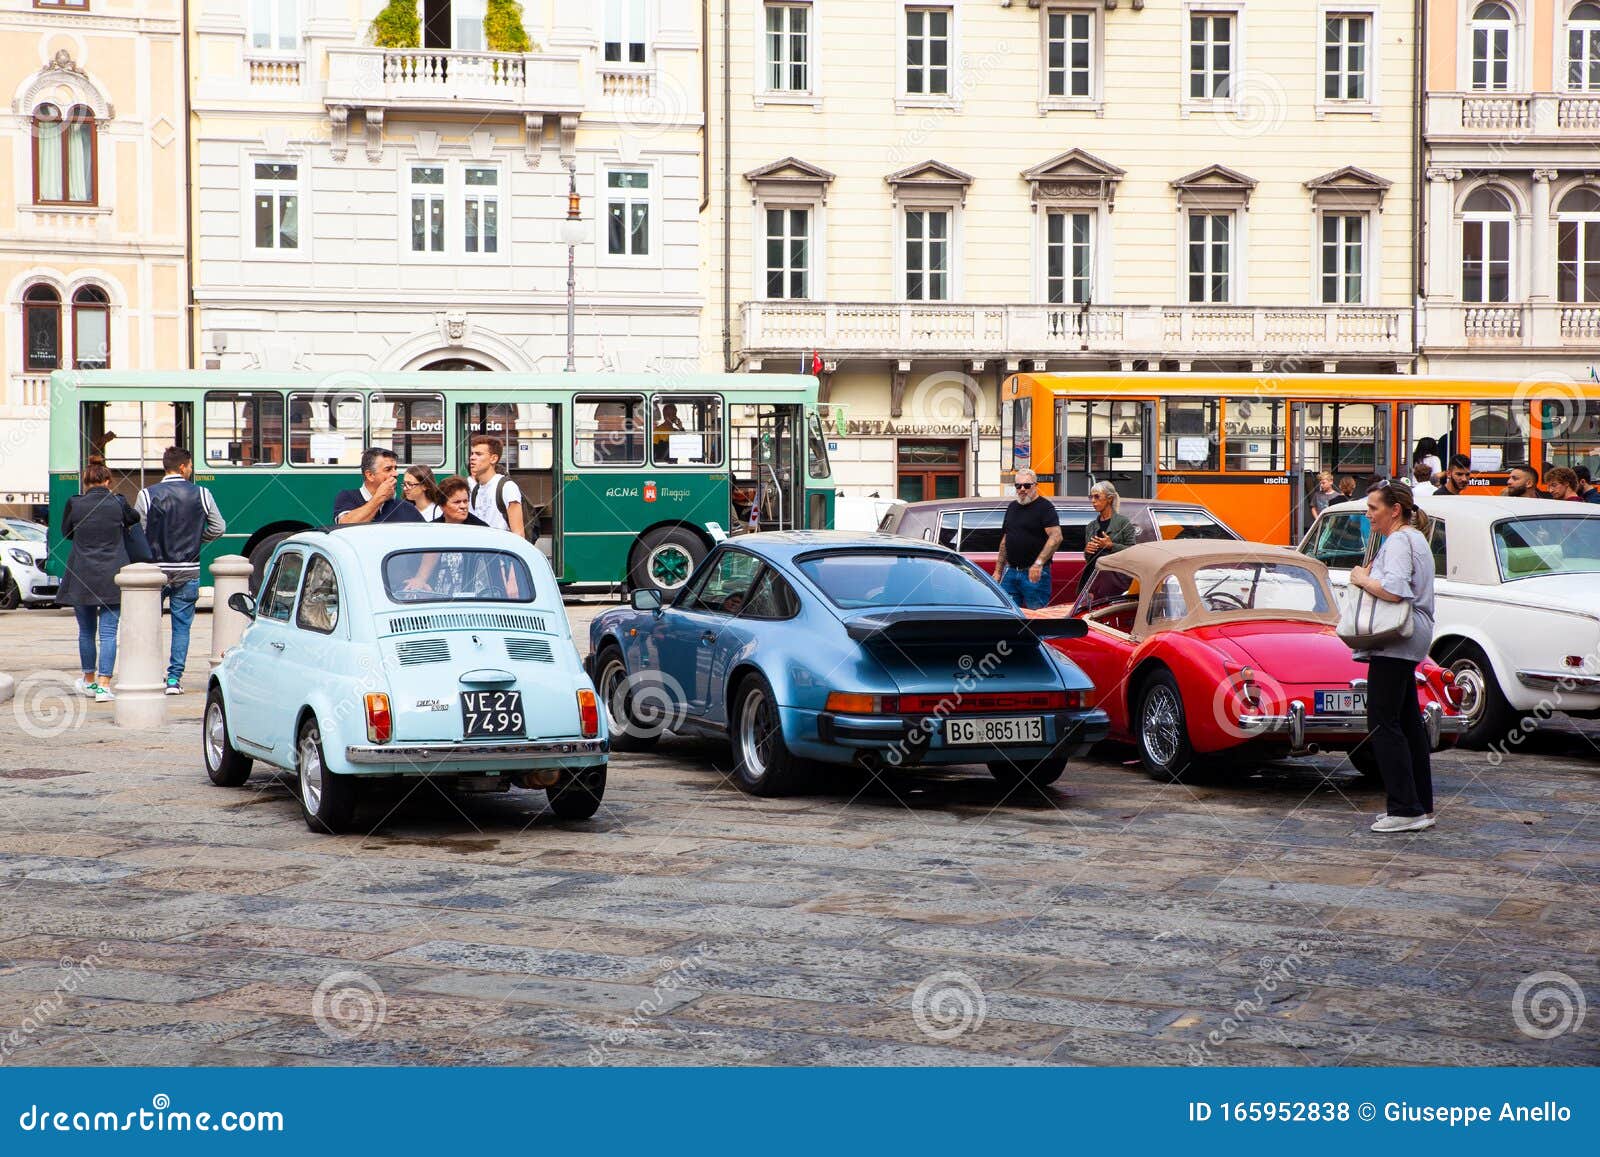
1014,581
183,596
105,619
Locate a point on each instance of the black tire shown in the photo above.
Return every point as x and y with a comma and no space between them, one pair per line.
1038,773
1489,716
762,762
327,800
1365,762
10,594
628,731
578,794
225,766
1162,731
261,555
664,558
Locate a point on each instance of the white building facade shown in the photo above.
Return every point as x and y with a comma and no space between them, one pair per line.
921,196
371,209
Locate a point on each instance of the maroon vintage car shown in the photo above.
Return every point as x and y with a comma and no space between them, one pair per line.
971,526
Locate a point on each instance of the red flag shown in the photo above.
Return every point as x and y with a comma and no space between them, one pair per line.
816,362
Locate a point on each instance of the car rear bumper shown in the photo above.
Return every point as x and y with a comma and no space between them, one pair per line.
906,740
1301,728
416,757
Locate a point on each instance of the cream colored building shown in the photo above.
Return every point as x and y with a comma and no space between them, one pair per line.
92,213
363,208
928,195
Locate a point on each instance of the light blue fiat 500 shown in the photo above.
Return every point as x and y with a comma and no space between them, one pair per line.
406,650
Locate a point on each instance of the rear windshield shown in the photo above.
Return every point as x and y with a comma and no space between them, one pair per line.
886,578
1188,524
456,576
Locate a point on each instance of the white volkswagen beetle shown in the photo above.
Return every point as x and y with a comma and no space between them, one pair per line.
402,650
1517,601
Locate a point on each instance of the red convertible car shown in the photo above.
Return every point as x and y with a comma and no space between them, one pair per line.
1213,654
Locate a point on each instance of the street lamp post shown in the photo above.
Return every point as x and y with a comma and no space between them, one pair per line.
572,233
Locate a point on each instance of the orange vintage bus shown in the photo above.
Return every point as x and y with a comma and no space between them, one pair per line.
1250,446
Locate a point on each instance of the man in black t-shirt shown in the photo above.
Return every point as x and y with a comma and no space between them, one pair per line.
1028,537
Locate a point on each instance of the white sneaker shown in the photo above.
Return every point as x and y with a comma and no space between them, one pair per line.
84,687
1388,823
102,694
1428,822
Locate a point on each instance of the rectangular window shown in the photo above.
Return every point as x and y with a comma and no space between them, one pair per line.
928,255
1578,261
1069,258
274,25
788,42
1210,258
625,32
73,5
1491,57
1211,55
1343,258
466,24
1254,433
427,208
327,429
91,334
608,431
928,51
277,202
481,223
1500,426
1583,57
1069,53
1344,57
412,425
1486,261
1188,434
1571,432
628,213
686,430
788,253
243,429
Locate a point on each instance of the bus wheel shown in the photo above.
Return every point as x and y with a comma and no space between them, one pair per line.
664,559
261,555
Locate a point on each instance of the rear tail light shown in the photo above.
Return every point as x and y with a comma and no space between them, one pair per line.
1249,692
380,724
1574,661
850,703
957,702
588,713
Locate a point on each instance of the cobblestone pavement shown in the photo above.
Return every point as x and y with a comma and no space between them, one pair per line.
147,917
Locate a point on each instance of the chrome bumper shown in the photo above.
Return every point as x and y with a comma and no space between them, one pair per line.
423,753
1297,725
1560,681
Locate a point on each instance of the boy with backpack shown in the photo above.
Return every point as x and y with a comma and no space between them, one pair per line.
496,499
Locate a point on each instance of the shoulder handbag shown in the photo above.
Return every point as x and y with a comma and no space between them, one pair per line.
1366,621
134,539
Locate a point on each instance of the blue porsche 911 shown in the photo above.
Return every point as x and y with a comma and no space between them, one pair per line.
823,647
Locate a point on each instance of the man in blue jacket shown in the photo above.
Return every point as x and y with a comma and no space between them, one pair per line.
178,516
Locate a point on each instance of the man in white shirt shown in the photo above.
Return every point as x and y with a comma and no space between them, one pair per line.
495,498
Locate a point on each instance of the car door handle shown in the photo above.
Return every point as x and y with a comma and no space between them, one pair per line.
276,645
708,636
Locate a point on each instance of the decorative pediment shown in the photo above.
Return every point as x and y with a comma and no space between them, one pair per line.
1348,188
63,83
930,180
790,177
1074,178
1215,187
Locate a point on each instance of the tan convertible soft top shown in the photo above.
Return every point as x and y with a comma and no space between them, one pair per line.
1150,563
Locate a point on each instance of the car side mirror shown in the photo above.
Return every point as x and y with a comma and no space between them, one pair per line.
646,600
243,603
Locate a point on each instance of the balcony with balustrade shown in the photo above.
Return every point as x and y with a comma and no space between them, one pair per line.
1504,119
431,79
1521,327
906,330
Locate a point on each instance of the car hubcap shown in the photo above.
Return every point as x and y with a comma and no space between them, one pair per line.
669,566
311,773
757,727
215,735
614,689
1162,729
1469,677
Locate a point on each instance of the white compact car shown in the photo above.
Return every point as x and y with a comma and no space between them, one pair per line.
1517,596
23,581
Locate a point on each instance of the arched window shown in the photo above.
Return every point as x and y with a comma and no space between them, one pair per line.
41,328
1493,39
1486,219
1583,48
91,328
63,156
1578,246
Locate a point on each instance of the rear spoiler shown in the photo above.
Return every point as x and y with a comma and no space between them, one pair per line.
959,627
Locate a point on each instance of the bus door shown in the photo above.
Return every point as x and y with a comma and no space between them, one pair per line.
1106,440
1303,471
1418,420
529,433
130,437
768,477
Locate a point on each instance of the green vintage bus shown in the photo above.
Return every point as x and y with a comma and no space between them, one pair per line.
634,476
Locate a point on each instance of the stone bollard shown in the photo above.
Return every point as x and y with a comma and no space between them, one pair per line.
230,575
141,662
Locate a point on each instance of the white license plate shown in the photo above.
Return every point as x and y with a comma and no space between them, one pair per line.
1341,702
977,732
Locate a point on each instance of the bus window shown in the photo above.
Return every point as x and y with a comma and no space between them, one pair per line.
1018,435
412,425
1341,437
686,430
243,428
608,431
130,437
1188,434
327,429
1571,433
817,442
1499,435
1255,434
